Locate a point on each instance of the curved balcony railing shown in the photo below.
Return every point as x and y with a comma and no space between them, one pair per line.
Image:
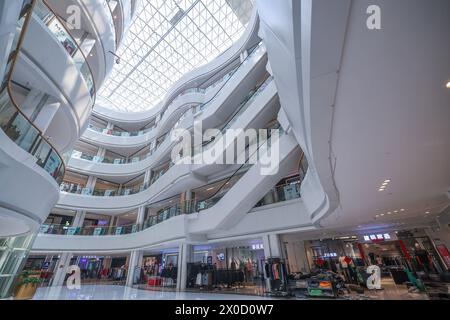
222,81
16,125
107,5
59,229
61,31
196,149
285,192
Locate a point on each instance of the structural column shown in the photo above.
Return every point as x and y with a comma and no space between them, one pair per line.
134,265
272,246
61,269
184,257
79,218
140,217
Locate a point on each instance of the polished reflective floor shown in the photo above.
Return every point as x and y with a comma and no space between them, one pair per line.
112,292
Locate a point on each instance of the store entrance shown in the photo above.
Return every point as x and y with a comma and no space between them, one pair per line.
233,268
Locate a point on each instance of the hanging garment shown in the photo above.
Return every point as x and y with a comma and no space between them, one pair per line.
198,280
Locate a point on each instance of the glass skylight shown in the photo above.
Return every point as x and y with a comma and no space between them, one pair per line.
167,39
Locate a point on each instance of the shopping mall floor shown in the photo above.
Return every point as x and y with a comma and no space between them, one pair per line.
390,291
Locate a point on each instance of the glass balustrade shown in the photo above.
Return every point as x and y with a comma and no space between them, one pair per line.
129,191
225,78
281,193
59,229
108,7
117,133
60,30
17,126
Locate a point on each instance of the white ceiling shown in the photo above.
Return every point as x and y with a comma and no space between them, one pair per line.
167,39
392,115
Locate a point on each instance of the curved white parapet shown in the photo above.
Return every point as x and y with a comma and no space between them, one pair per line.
286,216
28,192
182,103
58,76
298,76
97,21
9,13
192,79
178,177
212,116
240,199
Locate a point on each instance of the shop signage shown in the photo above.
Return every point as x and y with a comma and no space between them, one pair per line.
377,237
257,246
330,254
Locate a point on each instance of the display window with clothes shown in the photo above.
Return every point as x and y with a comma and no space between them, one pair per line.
158,270
222,267
406,259
101,269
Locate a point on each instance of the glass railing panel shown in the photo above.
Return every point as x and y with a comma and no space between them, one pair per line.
59,30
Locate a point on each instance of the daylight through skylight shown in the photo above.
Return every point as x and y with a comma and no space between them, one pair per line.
167,39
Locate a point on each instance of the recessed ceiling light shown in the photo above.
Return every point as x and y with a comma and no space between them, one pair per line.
427,212
381,189
387,180
389,212
209,189
377,216
448,85
402,209
395,211
385,183
382,214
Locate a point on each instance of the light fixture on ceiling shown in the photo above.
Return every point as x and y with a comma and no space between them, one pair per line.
382,214
209,189
402,209
384,185
427,212
448,85
389,212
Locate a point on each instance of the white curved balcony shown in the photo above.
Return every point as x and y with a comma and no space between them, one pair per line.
281,216
29,164
51,62
212,115
98,22
193,79
255,112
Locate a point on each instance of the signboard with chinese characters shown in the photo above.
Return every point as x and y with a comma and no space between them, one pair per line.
378,237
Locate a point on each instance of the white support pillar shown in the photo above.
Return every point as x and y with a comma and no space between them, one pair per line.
297,259
135,261
140,216
101,152
79,218
272,246
147,176
91,182
184,257
61,269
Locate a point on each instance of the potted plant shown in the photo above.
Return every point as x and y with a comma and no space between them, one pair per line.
27,286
